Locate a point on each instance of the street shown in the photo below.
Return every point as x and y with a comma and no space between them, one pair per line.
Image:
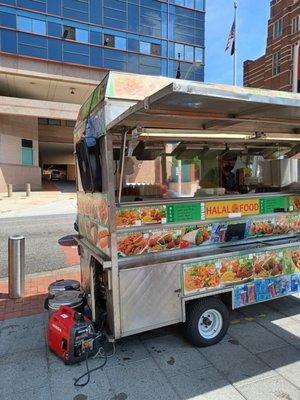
41,234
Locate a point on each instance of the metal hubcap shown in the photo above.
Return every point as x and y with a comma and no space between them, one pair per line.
210,324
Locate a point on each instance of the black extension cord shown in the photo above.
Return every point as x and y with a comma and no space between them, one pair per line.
88,371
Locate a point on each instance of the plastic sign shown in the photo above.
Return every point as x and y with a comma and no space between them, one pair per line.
223,209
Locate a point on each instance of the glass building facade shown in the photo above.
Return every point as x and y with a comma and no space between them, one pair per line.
141,36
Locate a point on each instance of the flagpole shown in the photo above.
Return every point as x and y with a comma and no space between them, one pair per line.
235,46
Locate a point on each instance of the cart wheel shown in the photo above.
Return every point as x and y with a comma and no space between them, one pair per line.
207,321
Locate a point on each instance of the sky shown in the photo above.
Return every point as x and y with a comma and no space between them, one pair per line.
252,18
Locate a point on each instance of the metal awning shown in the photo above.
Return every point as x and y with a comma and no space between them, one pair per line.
214,108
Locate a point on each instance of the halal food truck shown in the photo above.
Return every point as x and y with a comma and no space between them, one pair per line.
188,202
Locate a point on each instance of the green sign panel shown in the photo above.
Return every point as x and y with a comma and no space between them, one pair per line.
270,204
184,212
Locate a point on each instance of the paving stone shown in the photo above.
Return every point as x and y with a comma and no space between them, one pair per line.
288,306
142,380
286,361
174,355
270,389
128,350
204,384
287,328
42,393
62,379
23,371
22,334
237,363
255,337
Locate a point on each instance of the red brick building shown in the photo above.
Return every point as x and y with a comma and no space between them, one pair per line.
279,67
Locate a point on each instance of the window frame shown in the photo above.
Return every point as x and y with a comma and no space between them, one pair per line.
277,32
31,21
73,33
27,144
276,58
295,24
150,48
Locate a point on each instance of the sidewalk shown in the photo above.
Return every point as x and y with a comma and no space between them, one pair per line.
36,286
259,359
52,196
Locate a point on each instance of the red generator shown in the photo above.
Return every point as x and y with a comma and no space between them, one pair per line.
71,336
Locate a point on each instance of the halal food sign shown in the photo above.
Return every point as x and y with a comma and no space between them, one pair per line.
223,209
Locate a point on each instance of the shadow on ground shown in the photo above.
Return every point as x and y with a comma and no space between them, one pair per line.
258,359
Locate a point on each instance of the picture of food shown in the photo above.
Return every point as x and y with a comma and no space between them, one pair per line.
236,269
127,217
132,244
267,265
166,240
153,215
291,261
102,211
102,240
296,203
283,224
195,235
201,276
295,222
262,228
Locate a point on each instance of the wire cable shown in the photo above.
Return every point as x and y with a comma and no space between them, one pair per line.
89,371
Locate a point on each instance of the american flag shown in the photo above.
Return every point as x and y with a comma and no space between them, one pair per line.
231,39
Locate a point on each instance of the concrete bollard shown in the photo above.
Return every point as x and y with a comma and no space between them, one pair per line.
28,189
16,266
9,190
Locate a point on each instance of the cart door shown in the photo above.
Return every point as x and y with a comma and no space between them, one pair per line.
149,297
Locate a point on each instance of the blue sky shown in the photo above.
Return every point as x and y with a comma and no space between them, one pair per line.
251,36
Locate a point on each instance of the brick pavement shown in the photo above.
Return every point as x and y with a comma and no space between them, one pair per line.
35,290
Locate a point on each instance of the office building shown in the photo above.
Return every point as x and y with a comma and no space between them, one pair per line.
54,52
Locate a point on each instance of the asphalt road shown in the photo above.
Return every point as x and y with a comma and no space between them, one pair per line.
43,253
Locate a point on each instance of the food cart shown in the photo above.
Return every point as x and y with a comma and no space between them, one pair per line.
187,202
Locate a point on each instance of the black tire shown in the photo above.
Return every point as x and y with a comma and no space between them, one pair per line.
194,310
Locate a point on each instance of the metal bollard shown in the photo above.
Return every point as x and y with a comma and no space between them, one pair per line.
16,266
9,190
28,189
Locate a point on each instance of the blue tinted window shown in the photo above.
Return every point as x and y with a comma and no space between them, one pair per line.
188,53
7,19
145,47
39,26
8,41
199,5
81,35
37,5
31,25
199,53
189,3
179,51
120,42
24,24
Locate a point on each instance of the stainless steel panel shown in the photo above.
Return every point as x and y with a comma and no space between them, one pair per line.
280,173
148,297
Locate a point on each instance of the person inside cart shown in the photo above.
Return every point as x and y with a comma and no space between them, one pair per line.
228,177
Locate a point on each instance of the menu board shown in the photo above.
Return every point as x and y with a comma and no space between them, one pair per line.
217,273
268,205
226,208
185,212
